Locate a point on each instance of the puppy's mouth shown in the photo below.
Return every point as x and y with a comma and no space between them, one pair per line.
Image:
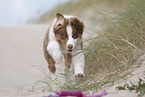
70,50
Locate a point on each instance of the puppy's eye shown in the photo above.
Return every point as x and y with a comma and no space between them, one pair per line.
58,25
63,36
75,36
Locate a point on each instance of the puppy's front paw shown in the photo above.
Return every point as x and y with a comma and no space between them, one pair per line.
52,68
80,75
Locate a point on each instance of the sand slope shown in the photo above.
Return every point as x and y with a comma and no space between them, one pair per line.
133,77
20,48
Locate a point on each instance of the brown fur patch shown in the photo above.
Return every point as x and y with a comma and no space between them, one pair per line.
61,33
68,60
77,27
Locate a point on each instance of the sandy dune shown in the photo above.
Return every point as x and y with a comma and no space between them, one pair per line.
20,48
133,77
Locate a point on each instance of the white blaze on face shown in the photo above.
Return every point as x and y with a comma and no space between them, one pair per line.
71,40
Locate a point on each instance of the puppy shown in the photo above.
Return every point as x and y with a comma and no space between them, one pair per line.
64,40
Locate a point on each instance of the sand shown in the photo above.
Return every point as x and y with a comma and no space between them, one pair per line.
133,77
20,49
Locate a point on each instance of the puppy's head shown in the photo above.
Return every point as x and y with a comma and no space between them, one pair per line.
68,30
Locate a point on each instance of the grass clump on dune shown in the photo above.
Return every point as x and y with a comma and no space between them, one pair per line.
113,52
123,37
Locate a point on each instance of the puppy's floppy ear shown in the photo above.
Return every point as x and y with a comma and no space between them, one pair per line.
59,15
60,19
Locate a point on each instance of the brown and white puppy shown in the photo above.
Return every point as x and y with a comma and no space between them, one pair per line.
64,39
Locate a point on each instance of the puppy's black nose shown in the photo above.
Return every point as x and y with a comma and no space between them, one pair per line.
70,46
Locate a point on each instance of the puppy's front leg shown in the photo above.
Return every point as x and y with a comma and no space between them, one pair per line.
68,62
54,50
78,61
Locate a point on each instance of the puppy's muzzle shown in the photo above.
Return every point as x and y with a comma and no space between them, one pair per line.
70,48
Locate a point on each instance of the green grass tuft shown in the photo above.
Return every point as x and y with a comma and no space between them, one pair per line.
140,87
